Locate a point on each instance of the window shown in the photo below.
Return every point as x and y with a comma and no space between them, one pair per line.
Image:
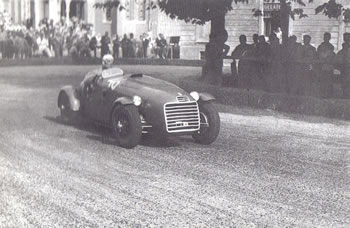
136,10
142,10
107,17
108,14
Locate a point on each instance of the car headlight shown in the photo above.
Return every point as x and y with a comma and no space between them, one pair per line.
137,100
195,95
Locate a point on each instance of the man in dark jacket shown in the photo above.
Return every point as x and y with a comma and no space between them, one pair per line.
343,63
125,45
293,53
162,46
308,58
325,54
263,54
105,41
238,53
93,45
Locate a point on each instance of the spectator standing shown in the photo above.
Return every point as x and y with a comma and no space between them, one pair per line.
9,46
139,47
343,63
116,46
161,46
105,41
20,46
252,63
255,40
125,44
84,49
292,54
57,45
263,54
93,45
30,43
237,54
325,54
308,57
132,46
98,44
43,44
145,44
3,37
277,78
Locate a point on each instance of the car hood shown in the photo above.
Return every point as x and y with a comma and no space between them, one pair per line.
149,88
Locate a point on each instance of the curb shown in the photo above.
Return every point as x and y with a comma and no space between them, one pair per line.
332,108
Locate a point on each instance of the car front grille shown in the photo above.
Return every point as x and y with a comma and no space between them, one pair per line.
181,117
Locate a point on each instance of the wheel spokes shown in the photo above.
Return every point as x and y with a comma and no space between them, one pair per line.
122,125
204,123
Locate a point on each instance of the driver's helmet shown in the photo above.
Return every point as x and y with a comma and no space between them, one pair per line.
107,61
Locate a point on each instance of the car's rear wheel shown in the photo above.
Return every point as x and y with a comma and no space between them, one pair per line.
127,126
68,116
209,124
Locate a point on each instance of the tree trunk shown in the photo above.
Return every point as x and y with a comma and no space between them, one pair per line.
212,69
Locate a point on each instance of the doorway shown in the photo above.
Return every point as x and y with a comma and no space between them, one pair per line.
77,9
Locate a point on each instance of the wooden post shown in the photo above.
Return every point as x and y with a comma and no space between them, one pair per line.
341,30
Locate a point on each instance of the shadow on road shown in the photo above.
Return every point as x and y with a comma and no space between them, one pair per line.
104,135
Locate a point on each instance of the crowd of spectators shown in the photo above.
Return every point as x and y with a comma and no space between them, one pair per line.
292,67
144,47
76,39
48,40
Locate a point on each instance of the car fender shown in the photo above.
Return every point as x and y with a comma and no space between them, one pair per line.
120,101
123,101
72,95
206,97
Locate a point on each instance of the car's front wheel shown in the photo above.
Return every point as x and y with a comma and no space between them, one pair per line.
127,126
209,124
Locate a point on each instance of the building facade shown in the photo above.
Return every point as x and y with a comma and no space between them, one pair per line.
137,17
242,21
30,12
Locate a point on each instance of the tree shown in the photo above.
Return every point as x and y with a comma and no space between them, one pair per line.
196,12
214,11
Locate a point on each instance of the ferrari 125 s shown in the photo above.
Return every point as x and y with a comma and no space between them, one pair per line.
136,104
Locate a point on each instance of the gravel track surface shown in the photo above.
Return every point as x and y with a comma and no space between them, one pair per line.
266,169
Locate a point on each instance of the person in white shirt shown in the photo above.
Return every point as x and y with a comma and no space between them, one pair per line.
43,44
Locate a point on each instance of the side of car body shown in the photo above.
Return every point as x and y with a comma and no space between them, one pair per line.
160,107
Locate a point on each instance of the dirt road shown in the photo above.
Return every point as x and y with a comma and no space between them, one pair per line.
265,169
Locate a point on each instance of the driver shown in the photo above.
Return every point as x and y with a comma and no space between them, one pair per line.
107,63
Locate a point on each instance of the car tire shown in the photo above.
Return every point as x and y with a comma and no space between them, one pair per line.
68,116
127,126
209,124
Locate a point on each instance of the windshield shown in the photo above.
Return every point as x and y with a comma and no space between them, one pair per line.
113,72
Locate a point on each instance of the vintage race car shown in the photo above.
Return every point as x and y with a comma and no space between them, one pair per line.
136,104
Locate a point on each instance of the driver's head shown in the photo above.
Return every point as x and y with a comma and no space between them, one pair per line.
107,61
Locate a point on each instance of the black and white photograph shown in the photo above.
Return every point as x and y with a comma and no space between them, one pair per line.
175,113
